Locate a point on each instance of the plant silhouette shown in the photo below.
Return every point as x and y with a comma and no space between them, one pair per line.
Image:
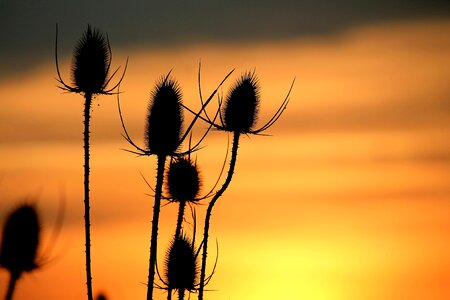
181,267
18,252
183,185
90,75
163,138
238,116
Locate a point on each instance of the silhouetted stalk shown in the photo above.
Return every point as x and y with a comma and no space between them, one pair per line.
210,207
155,220
90,68
180,218
11,286
87,222
181,294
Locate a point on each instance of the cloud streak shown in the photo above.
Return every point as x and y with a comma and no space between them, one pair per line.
27,29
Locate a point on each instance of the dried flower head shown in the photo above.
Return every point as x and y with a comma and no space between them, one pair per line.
20,240
91,61
181,265
183,180
90,64
240,110
157,142
164,121
241,105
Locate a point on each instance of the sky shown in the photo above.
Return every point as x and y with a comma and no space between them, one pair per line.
348,196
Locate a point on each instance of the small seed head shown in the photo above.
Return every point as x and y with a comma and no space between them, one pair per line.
241,105
164,121
181,265
20,240
183,180
91,61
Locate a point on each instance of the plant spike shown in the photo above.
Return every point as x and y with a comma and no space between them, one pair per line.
90,68
238,116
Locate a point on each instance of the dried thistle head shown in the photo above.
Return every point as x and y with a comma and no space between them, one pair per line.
164,121
242,104
20,240
240,111
90,65
183,180
181,265
91,61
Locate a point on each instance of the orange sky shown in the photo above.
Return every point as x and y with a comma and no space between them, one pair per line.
348,199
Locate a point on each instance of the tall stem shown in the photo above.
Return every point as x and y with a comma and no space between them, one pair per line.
11,286
209,211
87,222
155,220
180,218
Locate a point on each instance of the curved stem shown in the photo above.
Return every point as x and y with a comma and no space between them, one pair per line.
87,222
11,286
180,218
155,220
209,211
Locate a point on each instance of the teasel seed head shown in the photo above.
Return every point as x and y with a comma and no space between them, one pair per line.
242,104
183,180
91,62
181,264
20,240
164,121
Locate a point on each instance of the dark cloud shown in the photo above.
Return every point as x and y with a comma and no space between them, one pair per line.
27,28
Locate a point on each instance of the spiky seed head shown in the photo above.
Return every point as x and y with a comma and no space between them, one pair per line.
20,240
91,61
183,180
164,121
181,264
242,104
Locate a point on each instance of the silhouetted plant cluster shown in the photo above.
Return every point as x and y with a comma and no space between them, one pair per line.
178,179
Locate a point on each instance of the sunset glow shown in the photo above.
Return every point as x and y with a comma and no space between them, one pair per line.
347,199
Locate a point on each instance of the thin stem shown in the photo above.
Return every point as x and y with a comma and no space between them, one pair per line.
209,211
11,286
180,218
180,294
155,220
87,222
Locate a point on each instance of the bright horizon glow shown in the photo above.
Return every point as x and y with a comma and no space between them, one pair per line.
347,199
